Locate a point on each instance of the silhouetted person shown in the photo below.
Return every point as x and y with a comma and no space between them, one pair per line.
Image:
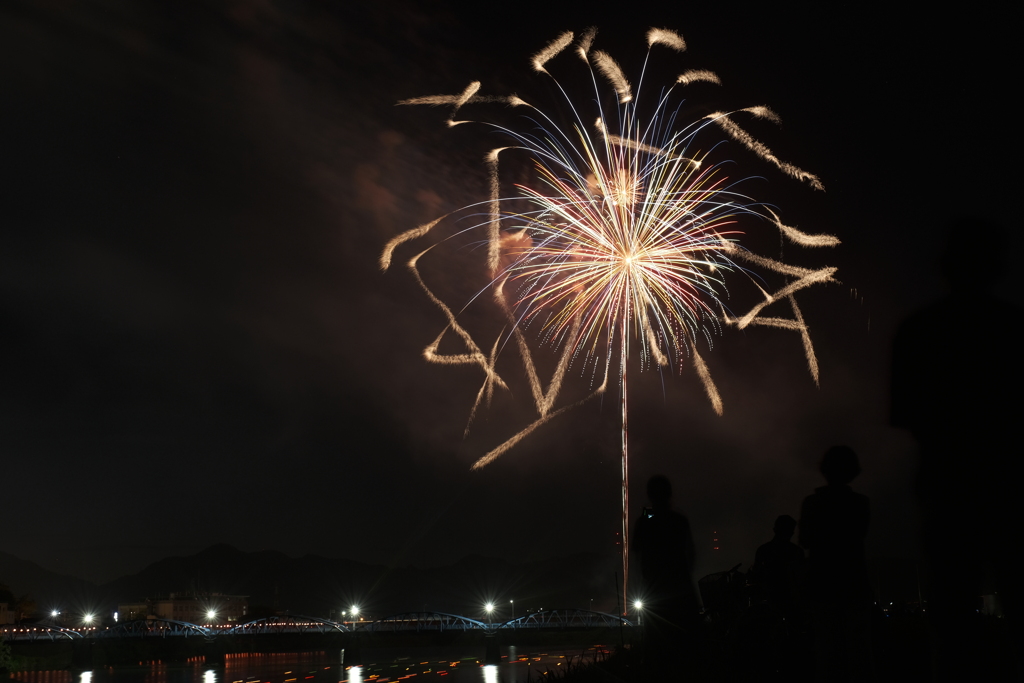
956,385
664,544
833,526
779,568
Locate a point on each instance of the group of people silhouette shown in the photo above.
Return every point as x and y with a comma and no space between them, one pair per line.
958,394
831,583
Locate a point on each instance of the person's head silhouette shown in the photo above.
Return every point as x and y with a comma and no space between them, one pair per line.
659,491
784,527
840,465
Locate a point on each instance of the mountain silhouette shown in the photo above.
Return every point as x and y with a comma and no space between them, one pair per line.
320,586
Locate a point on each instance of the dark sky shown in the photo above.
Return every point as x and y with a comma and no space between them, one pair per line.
197,345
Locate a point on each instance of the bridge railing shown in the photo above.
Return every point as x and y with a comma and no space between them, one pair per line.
406,622
293,623
38,632
155,628
566,618
416,622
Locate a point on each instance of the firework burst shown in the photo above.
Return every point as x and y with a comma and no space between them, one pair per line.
622,242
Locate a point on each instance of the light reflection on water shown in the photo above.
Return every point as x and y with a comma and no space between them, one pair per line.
427,665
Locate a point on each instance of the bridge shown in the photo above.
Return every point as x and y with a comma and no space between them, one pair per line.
407,622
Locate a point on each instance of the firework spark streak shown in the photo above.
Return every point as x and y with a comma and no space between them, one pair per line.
628,234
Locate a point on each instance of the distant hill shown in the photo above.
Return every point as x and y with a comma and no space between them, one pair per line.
49,589
317,586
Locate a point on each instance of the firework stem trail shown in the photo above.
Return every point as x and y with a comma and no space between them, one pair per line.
625,487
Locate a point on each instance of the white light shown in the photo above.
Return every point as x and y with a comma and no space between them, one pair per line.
638,604
87,618
210,614
489,607
355,611
54,613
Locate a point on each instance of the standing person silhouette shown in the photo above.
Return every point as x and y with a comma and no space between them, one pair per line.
779,568
664,544
833,525
960,396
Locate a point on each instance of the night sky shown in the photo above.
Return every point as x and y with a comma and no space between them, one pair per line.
198,346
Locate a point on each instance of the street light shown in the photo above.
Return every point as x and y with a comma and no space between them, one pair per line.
211,614
490,608
512,607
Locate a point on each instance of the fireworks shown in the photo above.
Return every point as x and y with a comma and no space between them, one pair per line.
621,243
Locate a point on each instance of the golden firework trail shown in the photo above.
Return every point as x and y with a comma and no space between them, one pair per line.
625,244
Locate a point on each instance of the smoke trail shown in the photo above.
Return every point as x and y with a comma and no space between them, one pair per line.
695,75
663,36
496,453
437,100
802,238
805,334
550,50
586,41
709,384
475,356
611,70
389,248
743,137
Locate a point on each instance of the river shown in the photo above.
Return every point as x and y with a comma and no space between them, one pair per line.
419,665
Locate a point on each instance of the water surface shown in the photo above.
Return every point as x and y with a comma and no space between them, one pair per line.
419,665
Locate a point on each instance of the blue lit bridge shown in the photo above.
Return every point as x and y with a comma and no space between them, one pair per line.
406,623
